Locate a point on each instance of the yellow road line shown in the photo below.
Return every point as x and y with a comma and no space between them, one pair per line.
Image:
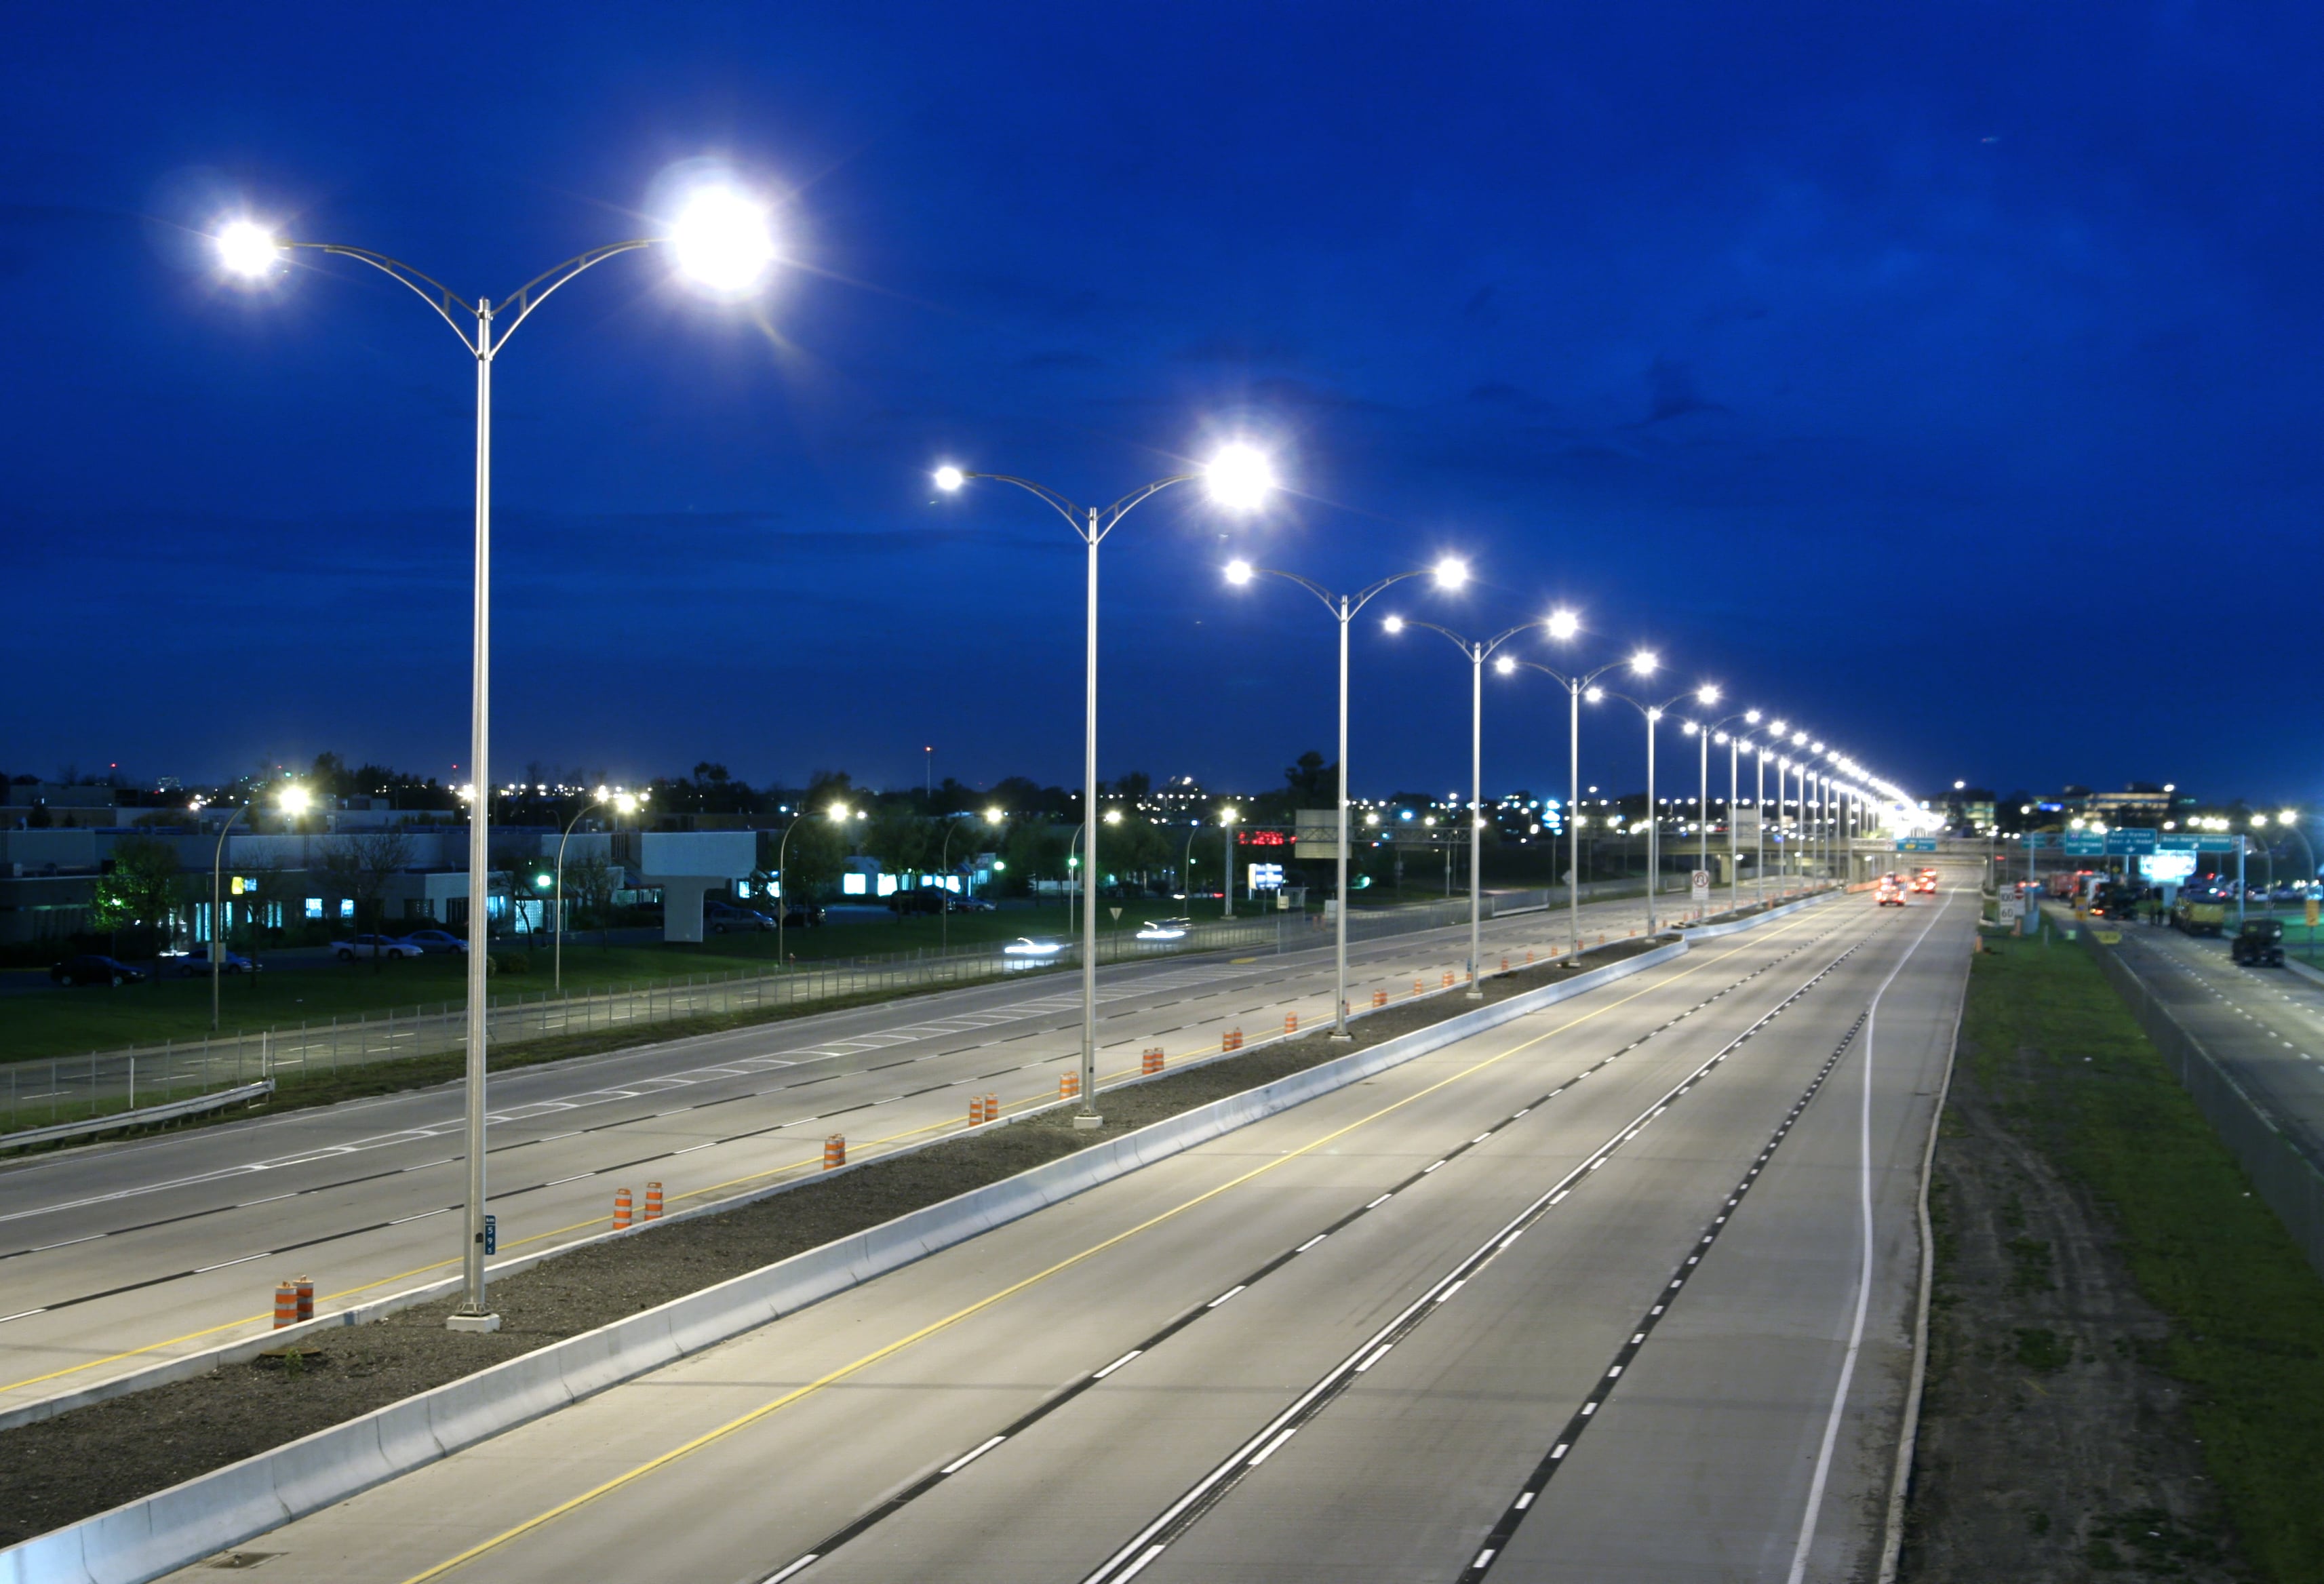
797,1394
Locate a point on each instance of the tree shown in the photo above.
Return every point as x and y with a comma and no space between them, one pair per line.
360,867
814,858
139,888
899,838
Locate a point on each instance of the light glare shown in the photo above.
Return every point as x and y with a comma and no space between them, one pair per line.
1563,624
723,240
950,478
1451,572
247,249
1240,477
1238,573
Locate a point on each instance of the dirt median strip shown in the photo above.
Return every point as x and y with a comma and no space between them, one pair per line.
56,1471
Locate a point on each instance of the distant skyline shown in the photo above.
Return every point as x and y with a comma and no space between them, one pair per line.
1942,377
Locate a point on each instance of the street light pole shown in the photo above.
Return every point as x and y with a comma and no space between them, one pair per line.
1239,479
1450,573
1227,817
1706,694
1478,650
723,241
625,802
217,904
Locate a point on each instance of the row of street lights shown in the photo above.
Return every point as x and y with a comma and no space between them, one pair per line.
722,243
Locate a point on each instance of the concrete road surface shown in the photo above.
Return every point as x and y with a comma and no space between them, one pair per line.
1355,1341
117,1255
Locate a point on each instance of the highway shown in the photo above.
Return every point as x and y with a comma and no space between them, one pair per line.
1580,1297
2265,1026
116,1256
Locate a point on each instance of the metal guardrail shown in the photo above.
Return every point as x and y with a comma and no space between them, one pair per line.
169,1112
101,1086
2284,1177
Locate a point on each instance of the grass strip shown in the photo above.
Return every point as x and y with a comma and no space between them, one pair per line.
2078,1078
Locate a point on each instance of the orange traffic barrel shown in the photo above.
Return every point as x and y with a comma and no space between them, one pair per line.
1151,1061
834,1151
1232,1040
304,1288
1379,997
1528,956
1505,965
286,1306
1069,1085
1291,1023
992,1107
621,1208
653,1201
975,1110
1448,978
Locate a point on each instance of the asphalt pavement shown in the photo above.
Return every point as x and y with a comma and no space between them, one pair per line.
1361,1339
116,1256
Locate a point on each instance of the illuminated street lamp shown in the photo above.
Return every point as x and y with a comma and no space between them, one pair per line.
992,817
624,803
1705,735
1478,650
840,814
1227,817
292,801
1450,573
1654,712
1561,626
722,242
1239,478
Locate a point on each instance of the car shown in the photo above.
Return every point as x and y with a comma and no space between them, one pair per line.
720,919
1890,892
2259,944
433,941
372,948
194,963
803,915
1165,929
971,905
1027,946
94,970
1925,883
918,900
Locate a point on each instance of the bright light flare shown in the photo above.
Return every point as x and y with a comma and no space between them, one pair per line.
1562,624
1238,573
995,815
1595,696
949,479
626,803
1395,624
1451,572
1240,477
294,800
1707,694
1505,665
1644,661
247,249
723,240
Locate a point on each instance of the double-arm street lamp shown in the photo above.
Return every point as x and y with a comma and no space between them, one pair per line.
722,242
1450,573
1654,712
1579,686
1239,478
1704,735
1478,650
622,803
292,801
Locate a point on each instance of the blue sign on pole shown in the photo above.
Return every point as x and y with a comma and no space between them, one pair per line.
2135,840
2081,845
492,1234
2195,843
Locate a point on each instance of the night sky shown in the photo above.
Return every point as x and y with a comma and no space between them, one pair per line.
1942,376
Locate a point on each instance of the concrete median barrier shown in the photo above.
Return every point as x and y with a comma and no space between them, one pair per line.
227,1507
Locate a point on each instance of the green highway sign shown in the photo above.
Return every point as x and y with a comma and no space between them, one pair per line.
2194,843
2081,845
1916,844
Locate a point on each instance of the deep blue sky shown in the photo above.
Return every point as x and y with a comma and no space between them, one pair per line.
1945,376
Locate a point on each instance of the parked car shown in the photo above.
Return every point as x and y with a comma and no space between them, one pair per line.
721,918
436,940
96,971
918,900
194,963
372,947
803,915
971,905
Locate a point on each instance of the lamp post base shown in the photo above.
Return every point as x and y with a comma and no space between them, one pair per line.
1089,1119
471,1322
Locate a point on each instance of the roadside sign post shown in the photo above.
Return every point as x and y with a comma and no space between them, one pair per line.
1702,888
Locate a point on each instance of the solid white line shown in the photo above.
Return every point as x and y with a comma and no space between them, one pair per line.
245,1259
1131,1571
1864,1269
20,1314
424,1214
